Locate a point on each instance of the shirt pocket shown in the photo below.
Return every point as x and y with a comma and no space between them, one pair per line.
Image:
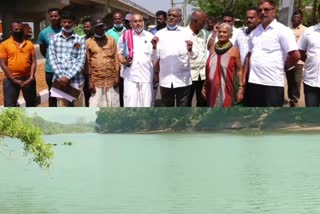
74,52
269,44
148,50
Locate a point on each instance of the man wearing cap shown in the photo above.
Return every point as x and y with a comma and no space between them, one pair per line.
127,21
136,54
103,68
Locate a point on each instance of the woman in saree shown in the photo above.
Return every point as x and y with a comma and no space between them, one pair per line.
224,83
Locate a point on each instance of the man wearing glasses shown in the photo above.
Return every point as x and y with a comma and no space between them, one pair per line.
273,51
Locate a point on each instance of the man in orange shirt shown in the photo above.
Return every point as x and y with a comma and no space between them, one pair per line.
18,61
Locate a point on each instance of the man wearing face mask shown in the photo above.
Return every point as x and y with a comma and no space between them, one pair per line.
67,57
118,27
174,49
103,67
18,61
136,54
115,32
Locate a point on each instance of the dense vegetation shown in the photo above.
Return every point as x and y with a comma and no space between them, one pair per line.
49,128
203,119
14,123
239,7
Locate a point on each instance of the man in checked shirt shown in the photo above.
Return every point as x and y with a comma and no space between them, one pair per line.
67,57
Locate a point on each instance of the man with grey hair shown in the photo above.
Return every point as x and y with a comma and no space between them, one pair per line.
174,48
136,54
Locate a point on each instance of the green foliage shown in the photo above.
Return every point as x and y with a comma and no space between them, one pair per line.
49,128
239,7
15,124
215,8
202,119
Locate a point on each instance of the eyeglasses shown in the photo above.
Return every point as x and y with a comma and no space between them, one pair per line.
265,10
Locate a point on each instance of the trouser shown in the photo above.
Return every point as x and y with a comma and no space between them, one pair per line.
197,87
11,93
121,91
137,94
264,96
105,97
86,91
52,100
311,96
175,96
294,79
76,103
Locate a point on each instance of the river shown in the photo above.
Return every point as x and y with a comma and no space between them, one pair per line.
198,173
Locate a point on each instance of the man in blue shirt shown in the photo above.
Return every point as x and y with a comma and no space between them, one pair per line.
44,40
161,21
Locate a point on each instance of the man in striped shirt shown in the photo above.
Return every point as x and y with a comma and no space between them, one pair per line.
67,58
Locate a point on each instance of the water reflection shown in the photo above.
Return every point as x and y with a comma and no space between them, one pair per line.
188,173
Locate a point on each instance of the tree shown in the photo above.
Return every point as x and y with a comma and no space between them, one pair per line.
14,123
215,8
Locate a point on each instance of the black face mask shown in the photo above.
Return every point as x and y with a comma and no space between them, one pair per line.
18,35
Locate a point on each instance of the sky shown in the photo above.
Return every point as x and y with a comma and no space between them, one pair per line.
64,115
155,5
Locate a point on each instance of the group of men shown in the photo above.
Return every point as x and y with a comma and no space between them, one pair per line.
124,65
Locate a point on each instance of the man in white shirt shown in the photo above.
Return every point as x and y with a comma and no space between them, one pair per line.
198,66
138,71
309,46
272,52
173,46
242,41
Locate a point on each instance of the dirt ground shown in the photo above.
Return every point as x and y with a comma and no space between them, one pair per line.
40,79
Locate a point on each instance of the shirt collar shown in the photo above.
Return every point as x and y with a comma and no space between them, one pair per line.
23,43
123,30
199,34
297,28
73,35
142,33
179,28
271,25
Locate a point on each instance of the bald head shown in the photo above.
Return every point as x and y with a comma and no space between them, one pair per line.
198,20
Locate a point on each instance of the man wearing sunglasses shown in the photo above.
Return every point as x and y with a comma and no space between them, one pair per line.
273,51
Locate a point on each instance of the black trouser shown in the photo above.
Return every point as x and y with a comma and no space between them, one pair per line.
86,91
264,96
311,96
172,97
121,91
294,79
197,87
11,93
52,100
